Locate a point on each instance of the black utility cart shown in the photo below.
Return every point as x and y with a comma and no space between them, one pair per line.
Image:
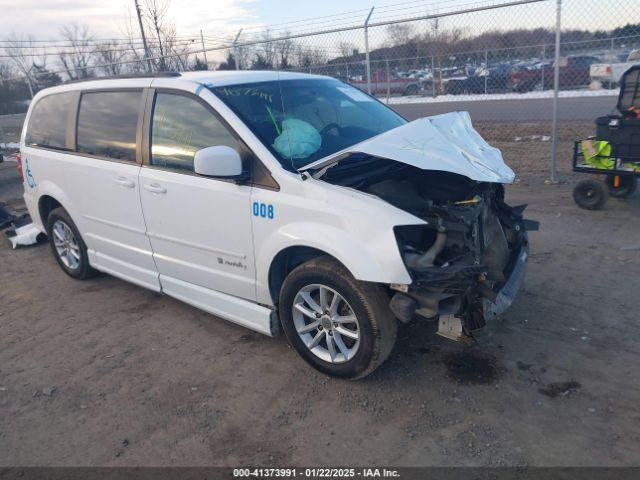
615,150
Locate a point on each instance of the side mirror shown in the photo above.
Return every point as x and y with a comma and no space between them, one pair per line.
219,161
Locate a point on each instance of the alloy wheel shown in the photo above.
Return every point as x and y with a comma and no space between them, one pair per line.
66,245
326,323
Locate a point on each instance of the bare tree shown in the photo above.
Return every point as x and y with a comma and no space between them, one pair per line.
346,49
76,57
311,56
267,49
242,55
22,51
155,13
178,52
108,57
284,50
6,72
134,51
399,34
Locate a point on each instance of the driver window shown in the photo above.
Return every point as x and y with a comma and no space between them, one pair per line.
181,126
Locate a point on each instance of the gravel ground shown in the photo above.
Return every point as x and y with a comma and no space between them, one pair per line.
105,373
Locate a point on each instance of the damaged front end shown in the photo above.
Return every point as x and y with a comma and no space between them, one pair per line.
467,260
466,263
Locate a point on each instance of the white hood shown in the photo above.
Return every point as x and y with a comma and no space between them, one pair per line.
445,142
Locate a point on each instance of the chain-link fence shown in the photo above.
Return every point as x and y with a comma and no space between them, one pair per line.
517,66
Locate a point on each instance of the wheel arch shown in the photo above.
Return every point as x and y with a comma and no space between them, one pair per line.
286,260
46,204
51,196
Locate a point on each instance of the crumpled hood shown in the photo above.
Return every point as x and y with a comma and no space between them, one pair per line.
445,142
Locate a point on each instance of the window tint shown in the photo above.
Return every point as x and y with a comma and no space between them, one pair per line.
107,124
182,126
48,122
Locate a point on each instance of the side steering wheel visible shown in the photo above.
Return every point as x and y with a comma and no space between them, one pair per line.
330,126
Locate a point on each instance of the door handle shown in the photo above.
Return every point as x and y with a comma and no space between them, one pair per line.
155,188
125,182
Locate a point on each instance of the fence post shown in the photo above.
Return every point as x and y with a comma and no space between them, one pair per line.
204,49
486,69
556,87
235,50
544,55
366,50
611,49
433,76
388,82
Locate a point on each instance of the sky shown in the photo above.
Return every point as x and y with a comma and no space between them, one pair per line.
43,19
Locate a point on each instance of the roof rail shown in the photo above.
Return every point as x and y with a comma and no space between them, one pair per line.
131,75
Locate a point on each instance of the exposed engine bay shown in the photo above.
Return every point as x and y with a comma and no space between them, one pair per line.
467,262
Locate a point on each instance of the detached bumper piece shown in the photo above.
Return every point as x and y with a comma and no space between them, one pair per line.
508,292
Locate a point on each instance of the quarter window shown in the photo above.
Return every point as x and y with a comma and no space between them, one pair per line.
48,122
182,126
107,124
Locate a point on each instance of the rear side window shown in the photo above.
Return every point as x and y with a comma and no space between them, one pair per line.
182,126
107,124
48,121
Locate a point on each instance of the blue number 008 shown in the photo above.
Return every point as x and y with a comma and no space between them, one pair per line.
262,210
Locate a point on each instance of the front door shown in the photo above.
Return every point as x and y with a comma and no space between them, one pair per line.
199,227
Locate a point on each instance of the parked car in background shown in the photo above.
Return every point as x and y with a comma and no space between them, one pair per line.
395,84
483,80
609,74
574,71
528,76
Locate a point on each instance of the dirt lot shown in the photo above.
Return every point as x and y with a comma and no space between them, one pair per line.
105,373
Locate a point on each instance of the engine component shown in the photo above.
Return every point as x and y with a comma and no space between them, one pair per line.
419,261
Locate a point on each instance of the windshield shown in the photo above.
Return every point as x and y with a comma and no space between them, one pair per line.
302,121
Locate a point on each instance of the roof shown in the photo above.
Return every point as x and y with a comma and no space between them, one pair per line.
218,78
221,78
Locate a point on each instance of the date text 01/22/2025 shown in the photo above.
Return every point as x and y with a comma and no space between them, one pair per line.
316,472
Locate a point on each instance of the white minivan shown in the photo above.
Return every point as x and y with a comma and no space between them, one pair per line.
277,200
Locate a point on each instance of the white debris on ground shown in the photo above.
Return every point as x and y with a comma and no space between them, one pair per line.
501,96
532,138
25,235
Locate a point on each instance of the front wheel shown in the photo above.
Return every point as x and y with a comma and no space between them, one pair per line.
340,326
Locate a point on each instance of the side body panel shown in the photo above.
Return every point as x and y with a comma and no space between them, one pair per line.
102,196
200,230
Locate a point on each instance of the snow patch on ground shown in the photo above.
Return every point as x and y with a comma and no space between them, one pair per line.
9,146
502,96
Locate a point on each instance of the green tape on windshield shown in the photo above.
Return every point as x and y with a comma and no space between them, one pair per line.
273,119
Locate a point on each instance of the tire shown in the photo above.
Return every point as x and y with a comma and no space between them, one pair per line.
411,90
626,187
590,194
75,262
375,325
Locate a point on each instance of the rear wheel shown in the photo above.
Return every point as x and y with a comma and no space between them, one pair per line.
590,194
621,186
67,245
340,326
